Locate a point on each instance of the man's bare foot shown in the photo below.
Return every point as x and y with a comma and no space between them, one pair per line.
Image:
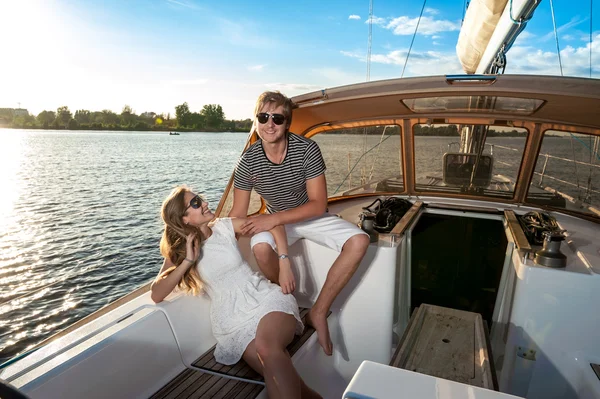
319,323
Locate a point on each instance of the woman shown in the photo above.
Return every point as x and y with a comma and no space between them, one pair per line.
251,317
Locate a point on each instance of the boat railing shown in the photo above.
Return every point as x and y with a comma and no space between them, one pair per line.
543,174
488,144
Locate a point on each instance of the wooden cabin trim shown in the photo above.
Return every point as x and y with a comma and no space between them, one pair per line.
517,232
408,217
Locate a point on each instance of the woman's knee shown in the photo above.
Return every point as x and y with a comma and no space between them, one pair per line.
267,350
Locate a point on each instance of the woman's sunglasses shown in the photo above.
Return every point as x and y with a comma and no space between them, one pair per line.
263,117
195,203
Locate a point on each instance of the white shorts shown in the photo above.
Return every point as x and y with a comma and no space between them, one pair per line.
328,230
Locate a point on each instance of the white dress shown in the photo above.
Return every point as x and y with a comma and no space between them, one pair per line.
240,297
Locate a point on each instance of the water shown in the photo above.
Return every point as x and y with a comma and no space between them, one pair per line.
80,210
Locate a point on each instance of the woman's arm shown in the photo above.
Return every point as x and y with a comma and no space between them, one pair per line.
170,275
286,277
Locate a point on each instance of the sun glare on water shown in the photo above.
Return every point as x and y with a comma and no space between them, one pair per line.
12,145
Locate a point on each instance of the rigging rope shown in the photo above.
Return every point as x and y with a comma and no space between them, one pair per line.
575,164
376,154
370,40
591,16
365,153
555,37
413,38
521,20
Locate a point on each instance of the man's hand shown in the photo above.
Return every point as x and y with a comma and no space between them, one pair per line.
258,224
286,276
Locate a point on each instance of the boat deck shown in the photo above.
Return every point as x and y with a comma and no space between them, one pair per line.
218,381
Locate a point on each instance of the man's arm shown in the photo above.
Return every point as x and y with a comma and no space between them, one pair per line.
316,206
241,202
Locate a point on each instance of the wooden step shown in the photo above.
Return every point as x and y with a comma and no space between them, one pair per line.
447,343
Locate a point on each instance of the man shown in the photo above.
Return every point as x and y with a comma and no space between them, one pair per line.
288,172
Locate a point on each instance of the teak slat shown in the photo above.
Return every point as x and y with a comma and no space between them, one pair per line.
219,384
446,343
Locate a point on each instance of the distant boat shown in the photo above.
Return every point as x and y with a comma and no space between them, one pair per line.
173,134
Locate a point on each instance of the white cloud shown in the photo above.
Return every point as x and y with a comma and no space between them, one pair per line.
355,54
568,37
188,82
355,17
427,26
257,67
573,22
436,43
419,63
523,38
292,89
435,37
575,60
184,4
377,21
337,77
431,11
244,33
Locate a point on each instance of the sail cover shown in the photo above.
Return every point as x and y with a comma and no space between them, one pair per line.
481,19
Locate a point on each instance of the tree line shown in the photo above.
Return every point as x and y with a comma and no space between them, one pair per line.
210,118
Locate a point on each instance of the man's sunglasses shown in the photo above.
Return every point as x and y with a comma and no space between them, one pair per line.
195,203
263,117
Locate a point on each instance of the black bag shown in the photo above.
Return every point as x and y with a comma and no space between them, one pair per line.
388,212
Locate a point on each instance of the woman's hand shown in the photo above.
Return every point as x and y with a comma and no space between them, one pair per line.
286,276
192,247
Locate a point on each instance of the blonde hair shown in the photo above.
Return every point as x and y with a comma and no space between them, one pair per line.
277,98
173,241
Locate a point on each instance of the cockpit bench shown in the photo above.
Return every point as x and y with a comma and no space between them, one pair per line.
447,343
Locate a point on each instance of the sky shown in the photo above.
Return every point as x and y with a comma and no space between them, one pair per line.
155,54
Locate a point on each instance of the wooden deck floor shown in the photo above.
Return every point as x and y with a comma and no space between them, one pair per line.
217,382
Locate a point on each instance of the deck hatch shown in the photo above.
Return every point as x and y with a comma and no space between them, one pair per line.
487,104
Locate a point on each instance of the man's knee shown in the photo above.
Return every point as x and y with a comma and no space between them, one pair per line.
263,252
357,244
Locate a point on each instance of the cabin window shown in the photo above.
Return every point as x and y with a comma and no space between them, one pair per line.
487,104
567,173
480,160
362,160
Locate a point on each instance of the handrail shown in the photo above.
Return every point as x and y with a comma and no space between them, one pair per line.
470,79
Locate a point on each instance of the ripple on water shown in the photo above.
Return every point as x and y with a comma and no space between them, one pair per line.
87,219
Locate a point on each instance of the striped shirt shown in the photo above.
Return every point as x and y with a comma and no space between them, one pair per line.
282,186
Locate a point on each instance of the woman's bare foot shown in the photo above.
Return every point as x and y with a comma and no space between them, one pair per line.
319,323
